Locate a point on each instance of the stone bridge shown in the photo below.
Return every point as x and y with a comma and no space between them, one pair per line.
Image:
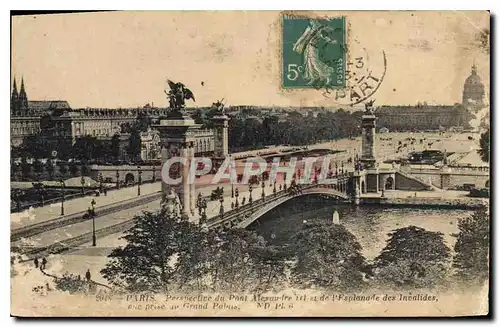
243,216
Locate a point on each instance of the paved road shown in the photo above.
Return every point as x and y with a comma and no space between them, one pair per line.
36,215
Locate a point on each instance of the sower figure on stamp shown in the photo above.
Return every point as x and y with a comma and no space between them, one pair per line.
315,70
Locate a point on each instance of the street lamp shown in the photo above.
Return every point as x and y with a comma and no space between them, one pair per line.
63,185
232,189
263,195
117,180
274,187
92,215
236,194
153,179
250,191
139,181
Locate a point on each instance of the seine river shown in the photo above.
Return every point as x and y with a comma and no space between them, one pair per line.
369,224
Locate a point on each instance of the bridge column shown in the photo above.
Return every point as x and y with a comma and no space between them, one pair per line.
177,134
221,138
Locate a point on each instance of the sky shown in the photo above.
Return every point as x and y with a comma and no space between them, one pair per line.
123,59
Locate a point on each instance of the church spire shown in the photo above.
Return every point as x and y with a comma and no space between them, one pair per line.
23,98
14,99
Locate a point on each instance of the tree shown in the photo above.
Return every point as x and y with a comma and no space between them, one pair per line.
49,167
412,258
471,259
115,146
73,168
328,255
134,144
25,167
84,148
147,261
38,166
484,146
63,169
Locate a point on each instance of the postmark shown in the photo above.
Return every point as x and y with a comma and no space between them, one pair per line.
314,52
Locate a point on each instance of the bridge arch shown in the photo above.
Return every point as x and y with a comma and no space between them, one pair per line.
330,191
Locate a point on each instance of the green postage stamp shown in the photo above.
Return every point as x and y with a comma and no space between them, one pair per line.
314,52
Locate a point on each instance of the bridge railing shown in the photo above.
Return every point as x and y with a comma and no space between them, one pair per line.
250,207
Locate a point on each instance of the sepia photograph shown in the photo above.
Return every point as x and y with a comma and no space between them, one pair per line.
250,164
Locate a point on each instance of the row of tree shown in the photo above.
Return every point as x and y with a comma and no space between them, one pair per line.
165,253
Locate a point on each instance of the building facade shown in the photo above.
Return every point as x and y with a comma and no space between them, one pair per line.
436,117
58,123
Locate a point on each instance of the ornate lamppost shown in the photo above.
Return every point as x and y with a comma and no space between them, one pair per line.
92,215
139,181
263,195
250,200
117,180
232,190
63,185
274,187
236,194
153,179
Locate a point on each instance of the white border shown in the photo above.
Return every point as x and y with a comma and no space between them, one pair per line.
197,5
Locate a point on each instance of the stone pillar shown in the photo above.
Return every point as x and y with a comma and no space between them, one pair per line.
368,140
221,137
177,134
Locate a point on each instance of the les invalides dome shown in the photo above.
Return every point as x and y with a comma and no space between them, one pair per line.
473,94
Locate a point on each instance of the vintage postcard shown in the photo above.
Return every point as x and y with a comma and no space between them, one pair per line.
250,163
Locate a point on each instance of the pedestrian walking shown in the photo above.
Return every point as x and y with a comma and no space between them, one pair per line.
87,275
44,263
36,262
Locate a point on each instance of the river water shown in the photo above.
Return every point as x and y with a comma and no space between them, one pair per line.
369,224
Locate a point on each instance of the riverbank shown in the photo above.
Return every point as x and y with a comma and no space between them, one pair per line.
434,200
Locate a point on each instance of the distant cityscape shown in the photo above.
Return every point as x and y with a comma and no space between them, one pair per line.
57,126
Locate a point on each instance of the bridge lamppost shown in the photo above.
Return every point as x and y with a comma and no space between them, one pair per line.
263,195
63,185
92,215
250,200
236,194
117,180
232,189
274,187
153,179
139,181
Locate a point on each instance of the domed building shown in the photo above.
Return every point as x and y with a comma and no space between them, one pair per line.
473,95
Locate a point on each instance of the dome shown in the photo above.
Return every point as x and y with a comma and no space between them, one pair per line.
474,78
473,93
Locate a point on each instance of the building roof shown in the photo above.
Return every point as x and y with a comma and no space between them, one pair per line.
48,105
417,109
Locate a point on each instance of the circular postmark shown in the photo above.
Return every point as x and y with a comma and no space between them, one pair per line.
365,70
